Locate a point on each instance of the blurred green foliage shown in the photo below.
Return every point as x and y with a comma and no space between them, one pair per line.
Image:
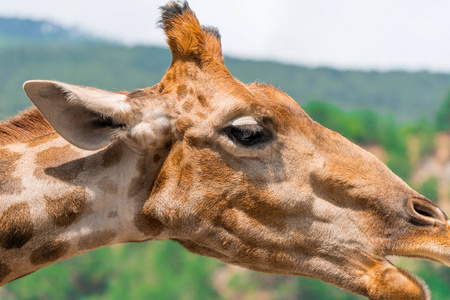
443,114
161,270
429,188
407,96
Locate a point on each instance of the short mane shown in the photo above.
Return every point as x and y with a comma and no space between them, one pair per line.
26,126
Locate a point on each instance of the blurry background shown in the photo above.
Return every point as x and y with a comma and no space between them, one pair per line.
377,72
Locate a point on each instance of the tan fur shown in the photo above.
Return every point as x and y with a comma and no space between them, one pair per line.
9,184
16,227
26,126
58,163
147,223
66,209
112,155
42,139
162,164
108,186
112,214
213,45
185,35
4,271
139,184
49,252
97,239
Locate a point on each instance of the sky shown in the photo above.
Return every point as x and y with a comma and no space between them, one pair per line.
382,35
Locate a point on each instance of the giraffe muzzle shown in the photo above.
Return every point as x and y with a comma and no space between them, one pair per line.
428,233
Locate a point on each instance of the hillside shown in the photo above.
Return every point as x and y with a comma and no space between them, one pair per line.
16,32
434,169
42,50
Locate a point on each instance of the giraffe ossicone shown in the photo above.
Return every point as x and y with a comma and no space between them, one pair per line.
234,171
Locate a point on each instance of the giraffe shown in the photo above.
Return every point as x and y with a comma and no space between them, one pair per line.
233,171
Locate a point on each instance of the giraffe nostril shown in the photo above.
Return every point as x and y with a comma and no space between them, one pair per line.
421,211
424,212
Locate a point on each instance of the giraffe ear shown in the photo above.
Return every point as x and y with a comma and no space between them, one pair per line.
86,117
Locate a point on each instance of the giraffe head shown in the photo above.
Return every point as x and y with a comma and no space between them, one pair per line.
245,176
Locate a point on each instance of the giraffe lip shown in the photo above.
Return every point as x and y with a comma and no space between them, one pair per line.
444,261
434,247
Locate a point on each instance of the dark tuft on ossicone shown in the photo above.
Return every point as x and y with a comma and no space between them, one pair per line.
212,30
172,10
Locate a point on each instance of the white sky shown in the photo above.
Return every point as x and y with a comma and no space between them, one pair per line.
357,34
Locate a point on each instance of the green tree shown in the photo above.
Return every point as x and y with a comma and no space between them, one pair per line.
429,188
443,114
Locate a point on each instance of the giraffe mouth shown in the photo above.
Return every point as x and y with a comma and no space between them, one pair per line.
436,253
430,243
427,234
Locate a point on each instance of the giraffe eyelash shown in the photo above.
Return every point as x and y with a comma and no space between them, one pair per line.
248,135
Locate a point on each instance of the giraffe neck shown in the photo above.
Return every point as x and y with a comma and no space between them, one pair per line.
57,201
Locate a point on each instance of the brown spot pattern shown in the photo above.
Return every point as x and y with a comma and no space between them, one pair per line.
177,157
182,90
214,169
168,145
228,219
174,219
141,182
201,115
66,209
194,142
218,210
108,186
112,214
96,240
4,271
200,250
49,252
185,178
183,124
159,182
112,155
187,106
9,184
257,207
156,158
191,74
59,162
148,223
161,88
261,208
137,93
202,100
16,227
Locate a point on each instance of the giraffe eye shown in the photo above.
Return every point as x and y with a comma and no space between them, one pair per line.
247,133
